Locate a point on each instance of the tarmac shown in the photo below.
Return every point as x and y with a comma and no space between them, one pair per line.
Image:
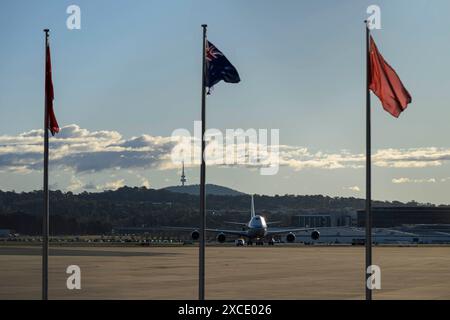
279,272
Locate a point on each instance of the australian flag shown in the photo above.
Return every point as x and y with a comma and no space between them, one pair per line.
218,67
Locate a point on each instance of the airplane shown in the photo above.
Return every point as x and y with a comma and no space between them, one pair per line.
255,231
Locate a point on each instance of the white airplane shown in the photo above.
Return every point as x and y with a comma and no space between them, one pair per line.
256,230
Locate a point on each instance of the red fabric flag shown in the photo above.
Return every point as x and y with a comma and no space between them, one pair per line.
52,124
386,84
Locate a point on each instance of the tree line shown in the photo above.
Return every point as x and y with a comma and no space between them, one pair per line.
98,213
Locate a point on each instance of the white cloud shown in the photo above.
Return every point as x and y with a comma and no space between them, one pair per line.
82,151
412,158
75,185
143,181
112,185
409,180
354,189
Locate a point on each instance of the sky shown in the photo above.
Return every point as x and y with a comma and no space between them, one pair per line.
132,75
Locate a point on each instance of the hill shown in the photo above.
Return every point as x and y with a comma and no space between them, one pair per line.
211,189
98,213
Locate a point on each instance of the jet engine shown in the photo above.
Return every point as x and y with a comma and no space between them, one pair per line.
290,237
195,235
221,238
315,235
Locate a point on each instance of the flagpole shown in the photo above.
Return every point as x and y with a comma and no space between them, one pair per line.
201,269
368,170
45,220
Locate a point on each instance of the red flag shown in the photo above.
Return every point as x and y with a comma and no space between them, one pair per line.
386,84
52,124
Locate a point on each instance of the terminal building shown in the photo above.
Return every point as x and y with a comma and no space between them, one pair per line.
4,233
409,235
390,217
391,225
325,220
314,221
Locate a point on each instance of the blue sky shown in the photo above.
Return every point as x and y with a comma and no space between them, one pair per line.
134,68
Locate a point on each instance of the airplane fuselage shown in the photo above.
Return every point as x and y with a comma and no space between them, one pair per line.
257,228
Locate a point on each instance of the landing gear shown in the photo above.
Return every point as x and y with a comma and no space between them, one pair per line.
271,242
258,243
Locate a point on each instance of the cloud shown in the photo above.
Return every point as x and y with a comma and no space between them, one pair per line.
412,158
83,151
112,185
409,180
354,189
75,185
143,181
90,186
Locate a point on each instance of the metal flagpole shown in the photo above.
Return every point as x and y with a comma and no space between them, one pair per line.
201,268
368,170
45,228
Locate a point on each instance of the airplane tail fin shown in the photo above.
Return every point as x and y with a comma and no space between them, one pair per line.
252,208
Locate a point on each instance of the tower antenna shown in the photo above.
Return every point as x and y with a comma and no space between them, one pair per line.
183,177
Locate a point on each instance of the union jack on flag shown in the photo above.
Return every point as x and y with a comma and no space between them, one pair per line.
218,67
212,52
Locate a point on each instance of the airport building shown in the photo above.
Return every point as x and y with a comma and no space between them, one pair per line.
407,235
4,233
314,221
389,217
325,220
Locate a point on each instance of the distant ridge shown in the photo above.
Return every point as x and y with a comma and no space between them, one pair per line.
211,189
99,212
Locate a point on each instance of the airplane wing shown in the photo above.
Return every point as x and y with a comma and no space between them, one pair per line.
273,222
275,231
231,232
191,229
242,224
